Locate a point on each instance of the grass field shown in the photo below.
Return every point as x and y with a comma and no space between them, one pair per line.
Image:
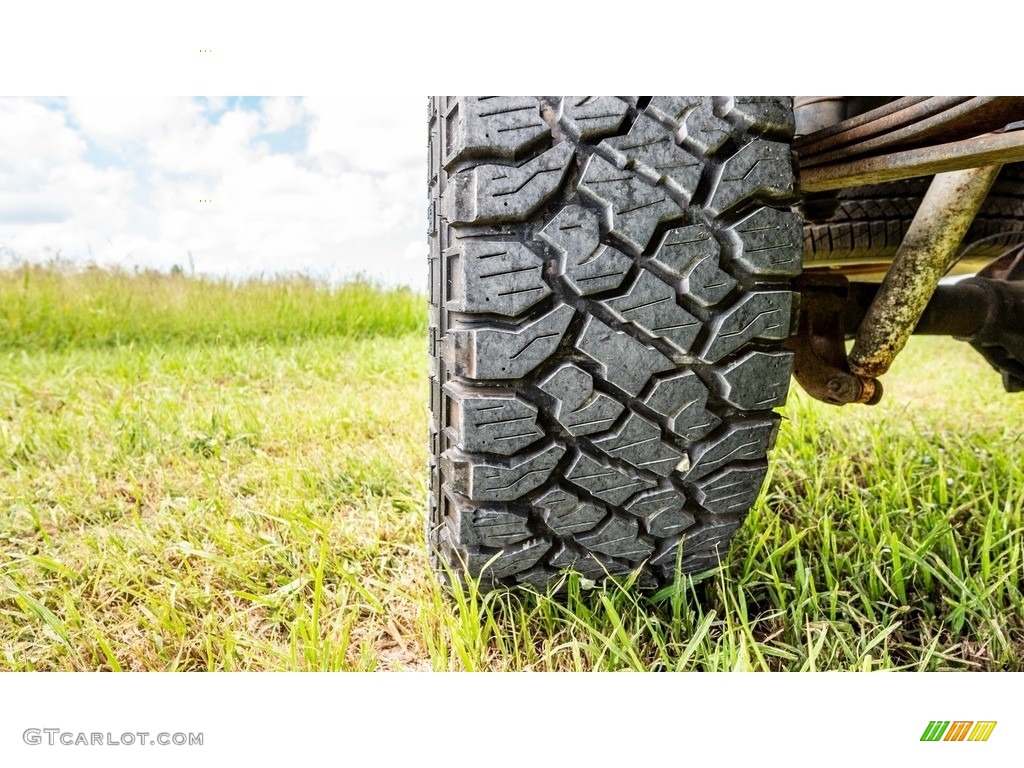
197,475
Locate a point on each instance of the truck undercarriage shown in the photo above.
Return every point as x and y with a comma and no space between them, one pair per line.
964,142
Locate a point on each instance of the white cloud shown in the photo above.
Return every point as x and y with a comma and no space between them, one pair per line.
380,134
353,204
112,119
51,199
281,113
275,211
36,140
207,149
215,103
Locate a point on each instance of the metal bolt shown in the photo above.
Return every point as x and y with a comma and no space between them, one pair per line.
840,388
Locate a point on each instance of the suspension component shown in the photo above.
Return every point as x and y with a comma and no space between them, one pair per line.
926,253
819,352
987,311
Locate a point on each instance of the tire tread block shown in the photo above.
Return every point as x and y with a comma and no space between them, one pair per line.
708,532
588,117
638,441
707,540
651,149
651,306
762,315
733,489
489,526
682,399
481,479
662,512
495,421
766,115
509,561
564,513
757,381
603,480
587,265
618,536
743,440
691,255
498,353
571,557
492,193
625,362
635,208
540,577
760,170
695,120
498,126
496,277
771,243
579,407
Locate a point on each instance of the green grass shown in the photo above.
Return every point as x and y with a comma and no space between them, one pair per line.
53,308
205,479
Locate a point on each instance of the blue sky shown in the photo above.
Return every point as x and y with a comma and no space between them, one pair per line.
331,186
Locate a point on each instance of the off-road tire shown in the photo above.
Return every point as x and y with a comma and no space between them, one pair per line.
869,222
609,288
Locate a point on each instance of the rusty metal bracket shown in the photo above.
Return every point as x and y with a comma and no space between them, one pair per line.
925,255
904,111
932,121
819,351
912,136
995,148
